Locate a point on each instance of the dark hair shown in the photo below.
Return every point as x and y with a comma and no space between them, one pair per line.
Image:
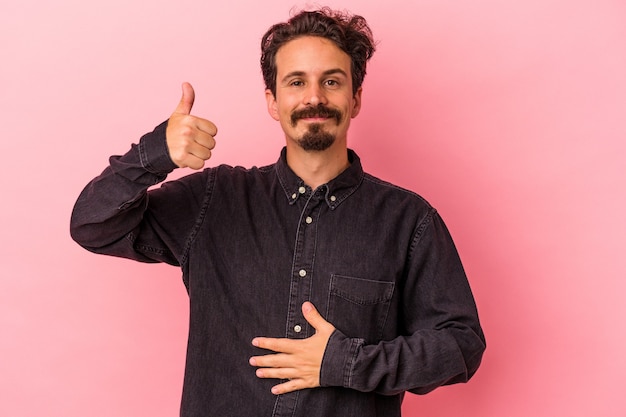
349,32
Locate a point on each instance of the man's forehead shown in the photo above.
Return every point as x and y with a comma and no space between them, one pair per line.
305,54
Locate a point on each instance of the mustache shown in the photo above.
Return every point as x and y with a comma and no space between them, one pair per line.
318,111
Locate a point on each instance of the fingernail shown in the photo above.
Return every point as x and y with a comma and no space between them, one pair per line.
255,342
252,361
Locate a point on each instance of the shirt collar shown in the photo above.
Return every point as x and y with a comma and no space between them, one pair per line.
335,191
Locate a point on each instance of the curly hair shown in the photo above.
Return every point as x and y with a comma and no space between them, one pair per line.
349,32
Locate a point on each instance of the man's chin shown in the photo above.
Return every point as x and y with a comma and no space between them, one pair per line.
317,142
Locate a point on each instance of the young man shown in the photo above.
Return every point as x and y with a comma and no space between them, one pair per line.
315,289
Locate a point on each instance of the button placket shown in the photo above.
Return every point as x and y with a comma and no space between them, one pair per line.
302,272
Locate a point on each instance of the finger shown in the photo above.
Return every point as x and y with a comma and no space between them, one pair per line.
289,386
313,317
204,140
277,373
199,146
276,345
276,360
200,152
206,126
187,99
194,162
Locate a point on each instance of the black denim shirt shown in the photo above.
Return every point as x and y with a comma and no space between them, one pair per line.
253,244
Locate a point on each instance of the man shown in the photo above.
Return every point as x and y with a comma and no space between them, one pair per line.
315,289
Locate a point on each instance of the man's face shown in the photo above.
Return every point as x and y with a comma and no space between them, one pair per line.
314,101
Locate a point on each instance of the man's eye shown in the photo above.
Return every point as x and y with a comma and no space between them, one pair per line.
297,83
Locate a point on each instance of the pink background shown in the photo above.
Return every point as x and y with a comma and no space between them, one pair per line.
508,116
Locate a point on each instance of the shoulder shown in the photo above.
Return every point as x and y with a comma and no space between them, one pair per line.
385,190
398,205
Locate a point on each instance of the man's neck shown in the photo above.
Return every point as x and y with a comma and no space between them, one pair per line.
319,167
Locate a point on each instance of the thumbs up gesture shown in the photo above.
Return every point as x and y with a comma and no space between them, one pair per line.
189,138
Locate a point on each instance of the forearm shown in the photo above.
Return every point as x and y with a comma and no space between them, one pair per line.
418,363
110,209
438,339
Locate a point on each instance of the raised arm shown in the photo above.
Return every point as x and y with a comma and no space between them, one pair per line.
116,215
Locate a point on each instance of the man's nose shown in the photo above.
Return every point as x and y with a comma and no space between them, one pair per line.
315,95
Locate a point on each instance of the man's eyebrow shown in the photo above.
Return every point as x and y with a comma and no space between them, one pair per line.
293,74
335,71
325,73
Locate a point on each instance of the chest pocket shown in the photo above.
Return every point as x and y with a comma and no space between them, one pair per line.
359,307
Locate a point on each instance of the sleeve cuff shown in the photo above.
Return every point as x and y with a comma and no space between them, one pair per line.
338,360
153,152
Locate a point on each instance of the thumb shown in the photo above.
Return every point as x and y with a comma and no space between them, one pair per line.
186,101
314,318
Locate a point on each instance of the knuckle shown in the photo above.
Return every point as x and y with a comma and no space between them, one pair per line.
186,131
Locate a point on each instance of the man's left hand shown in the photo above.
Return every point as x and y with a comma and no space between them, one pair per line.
297,360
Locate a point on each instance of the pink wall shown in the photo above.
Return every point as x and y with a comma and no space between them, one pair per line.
509,116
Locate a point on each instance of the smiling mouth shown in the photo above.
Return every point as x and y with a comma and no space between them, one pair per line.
314,119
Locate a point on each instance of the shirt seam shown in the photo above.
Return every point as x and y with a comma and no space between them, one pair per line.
378,181
349,373
419,231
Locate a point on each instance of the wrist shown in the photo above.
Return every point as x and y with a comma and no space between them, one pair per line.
338,360
153,152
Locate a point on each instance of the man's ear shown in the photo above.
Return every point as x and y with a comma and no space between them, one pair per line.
356,106
272,107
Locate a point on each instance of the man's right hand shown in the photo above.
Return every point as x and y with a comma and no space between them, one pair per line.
189,138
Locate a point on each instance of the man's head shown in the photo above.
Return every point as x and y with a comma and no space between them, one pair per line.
349,32
313,67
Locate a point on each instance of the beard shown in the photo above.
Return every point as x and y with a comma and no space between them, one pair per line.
316,139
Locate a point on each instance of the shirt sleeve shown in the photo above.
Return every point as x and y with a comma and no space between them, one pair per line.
443,341
116,214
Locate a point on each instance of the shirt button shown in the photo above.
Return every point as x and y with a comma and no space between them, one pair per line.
297,328
308,220
333,198
302,273
302,190
293,196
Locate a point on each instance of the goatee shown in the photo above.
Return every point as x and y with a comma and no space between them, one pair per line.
316,139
